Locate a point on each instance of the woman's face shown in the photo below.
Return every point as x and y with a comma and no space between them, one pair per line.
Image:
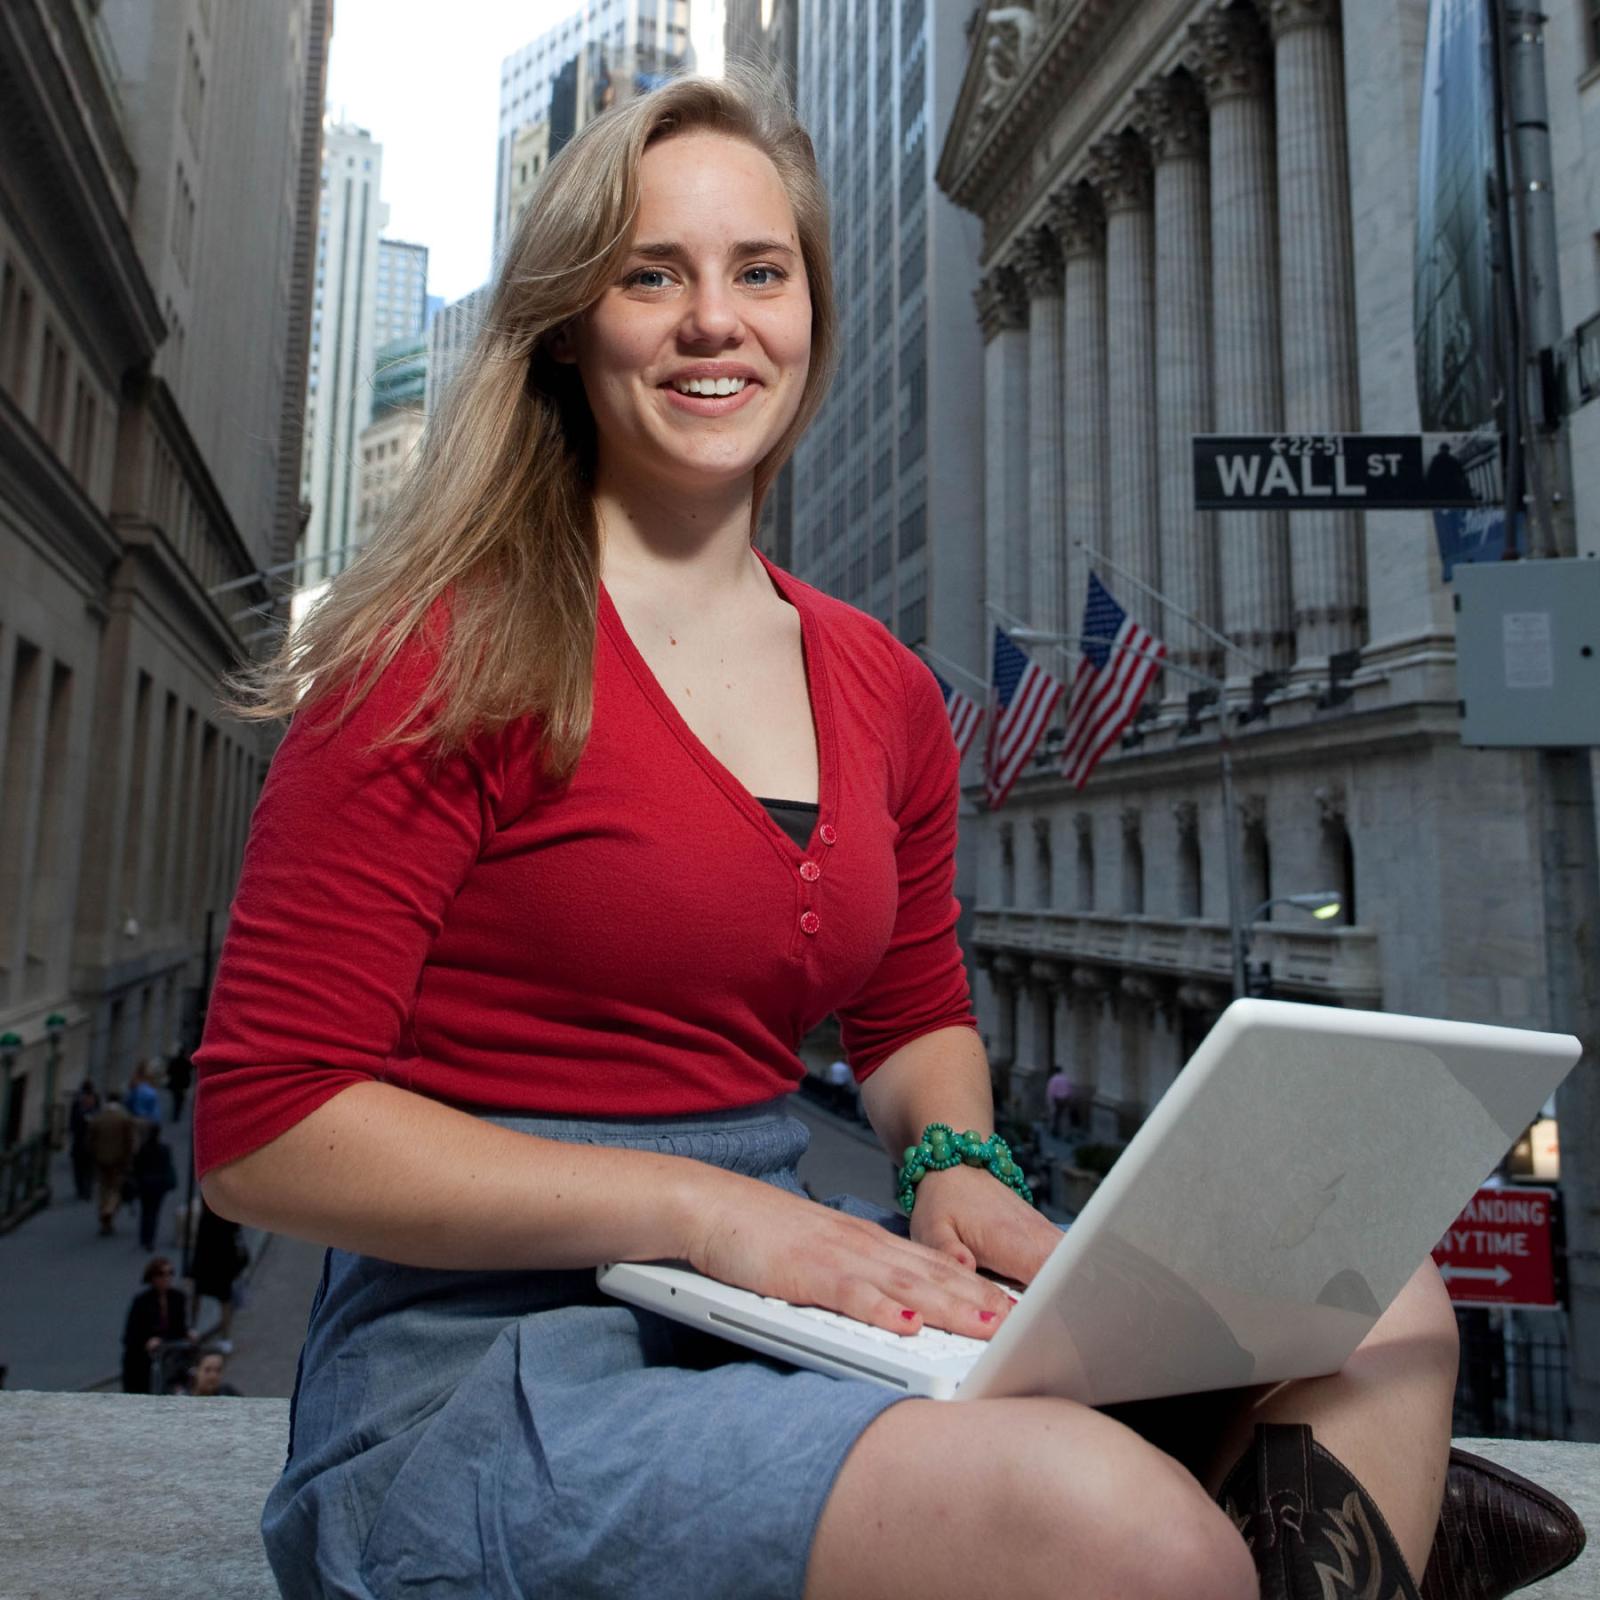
711,298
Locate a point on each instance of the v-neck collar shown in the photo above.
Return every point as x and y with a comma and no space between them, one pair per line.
814,655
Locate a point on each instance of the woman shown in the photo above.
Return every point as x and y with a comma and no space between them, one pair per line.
219,1258
587,815
158,1314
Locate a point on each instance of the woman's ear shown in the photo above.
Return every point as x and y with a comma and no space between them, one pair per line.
561,345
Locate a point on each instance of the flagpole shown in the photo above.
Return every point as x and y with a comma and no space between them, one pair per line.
1177,610
950,666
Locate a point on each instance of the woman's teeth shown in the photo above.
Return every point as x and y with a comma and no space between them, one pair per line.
708,386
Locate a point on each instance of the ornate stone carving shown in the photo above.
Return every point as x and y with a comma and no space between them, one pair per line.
1011,35
1092,979
1001,300
1201,996
1041,833
1119,169
1286,15
1045,974
1332,808
1132,823
1253,813
1171,117
1140,986
1003,969
1039,264
1186,817
1077,220
1229,53
1083,826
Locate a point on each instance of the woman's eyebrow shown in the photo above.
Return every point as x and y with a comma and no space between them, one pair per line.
668,251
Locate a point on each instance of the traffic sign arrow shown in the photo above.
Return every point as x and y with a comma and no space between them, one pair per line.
1496,1275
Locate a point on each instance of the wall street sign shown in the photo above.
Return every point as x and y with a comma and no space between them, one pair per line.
1345,471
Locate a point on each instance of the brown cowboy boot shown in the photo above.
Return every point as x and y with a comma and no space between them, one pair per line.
1313,1530
1497,1533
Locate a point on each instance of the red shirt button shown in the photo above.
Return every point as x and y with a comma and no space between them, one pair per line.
810,871
828,834
810,922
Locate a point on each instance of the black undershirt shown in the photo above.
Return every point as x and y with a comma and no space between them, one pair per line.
796,817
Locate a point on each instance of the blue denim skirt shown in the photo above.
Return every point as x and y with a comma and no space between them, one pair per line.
488,1434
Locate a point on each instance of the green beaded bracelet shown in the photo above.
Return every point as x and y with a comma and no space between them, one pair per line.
941,1147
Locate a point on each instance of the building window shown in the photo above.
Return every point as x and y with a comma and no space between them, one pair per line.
1132,863
1084,885
1008,867
1043,867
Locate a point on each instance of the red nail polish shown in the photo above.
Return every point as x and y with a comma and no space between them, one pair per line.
986,1316
910,1316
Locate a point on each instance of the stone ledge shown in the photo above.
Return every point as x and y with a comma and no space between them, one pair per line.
107,1496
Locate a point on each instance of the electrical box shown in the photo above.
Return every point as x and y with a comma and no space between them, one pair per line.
1528,652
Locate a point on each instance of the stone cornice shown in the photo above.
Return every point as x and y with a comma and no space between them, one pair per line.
63,138
1230,53
986,142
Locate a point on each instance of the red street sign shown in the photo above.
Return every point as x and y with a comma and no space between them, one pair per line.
1498,1251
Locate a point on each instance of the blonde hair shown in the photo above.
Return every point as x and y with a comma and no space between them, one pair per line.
496,519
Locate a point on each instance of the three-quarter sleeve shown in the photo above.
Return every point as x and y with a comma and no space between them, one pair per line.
921,983
352,860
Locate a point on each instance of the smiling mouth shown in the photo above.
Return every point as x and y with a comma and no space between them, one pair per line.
708,388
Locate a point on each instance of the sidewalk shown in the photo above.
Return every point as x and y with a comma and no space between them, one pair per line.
68,1289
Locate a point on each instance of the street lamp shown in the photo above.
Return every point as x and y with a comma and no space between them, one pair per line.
1322,904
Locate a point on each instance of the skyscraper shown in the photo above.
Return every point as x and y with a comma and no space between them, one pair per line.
399,311
605,51
339,384
886,482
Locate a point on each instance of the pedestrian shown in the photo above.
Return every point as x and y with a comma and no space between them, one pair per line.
515,829
206,1378
842,1086
155,1177
113,1139
1058,1093
158,1315
219,1257
180,1070
142,1100
85,1103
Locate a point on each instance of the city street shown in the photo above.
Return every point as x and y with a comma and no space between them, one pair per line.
65,1331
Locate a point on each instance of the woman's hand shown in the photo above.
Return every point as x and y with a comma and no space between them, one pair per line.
761,1238
969,1215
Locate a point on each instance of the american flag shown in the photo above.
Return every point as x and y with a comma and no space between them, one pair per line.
1119,661
965,713
1022,697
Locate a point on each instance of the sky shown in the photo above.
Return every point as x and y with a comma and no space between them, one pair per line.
423,78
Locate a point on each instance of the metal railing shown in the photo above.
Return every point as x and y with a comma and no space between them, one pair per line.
1513,1380
24,1179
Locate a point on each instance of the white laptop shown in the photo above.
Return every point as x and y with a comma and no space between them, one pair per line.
1275,1201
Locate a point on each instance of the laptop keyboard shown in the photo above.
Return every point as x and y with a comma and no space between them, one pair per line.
929,1344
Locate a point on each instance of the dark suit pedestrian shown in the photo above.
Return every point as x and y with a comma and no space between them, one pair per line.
157,1314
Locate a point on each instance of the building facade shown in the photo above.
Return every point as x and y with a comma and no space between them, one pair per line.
155,222
604,51
1199,217
450,337
388,444
400,307
338,401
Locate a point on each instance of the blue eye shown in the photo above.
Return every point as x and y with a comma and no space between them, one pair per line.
774,275
646,272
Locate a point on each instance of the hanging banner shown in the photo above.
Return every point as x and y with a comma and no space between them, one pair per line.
1456,293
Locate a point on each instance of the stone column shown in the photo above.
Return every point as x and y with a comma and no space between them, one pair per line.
1120,172
1319,373
1003,316
1034,1051
1166,1047
1230,54
1080,227
1039,263
1171,117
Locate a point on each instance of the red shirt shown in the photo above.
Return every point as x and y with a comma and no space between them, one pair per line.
643,940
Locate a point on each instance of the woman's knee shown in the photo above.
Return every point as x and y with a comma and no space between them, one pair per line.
1423,1316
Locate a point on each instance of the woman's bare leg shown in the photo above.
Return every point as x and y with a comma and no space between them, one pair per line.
1036,1499
1385,1415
